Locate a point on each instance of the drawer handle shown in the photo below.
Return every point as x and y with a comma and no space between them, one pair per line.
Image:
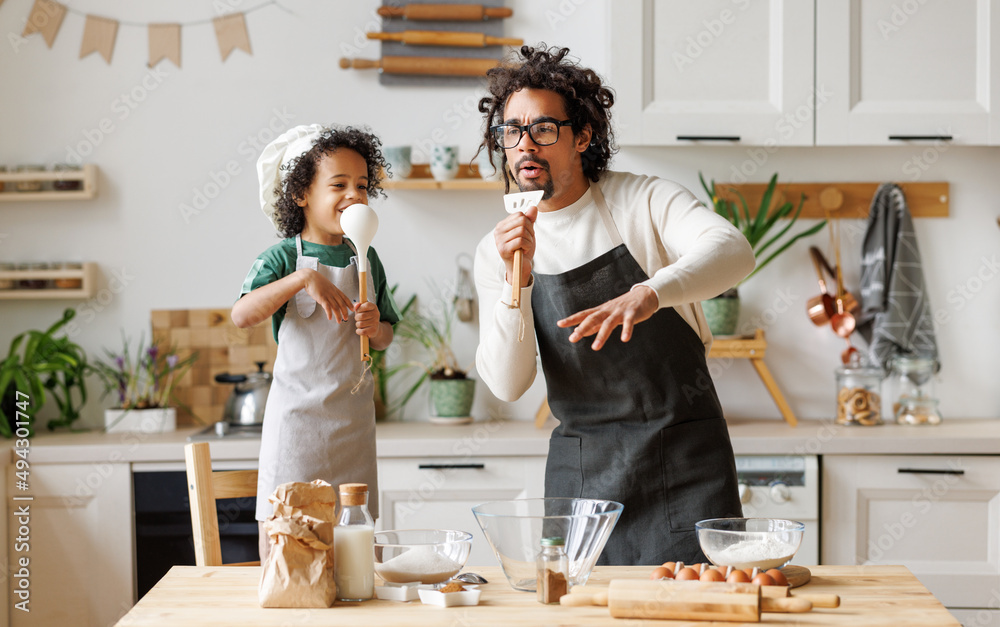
931,471
906,138
708,138
449,466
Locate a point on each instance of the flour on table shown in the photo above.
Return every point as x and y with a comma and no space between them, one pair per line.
764,552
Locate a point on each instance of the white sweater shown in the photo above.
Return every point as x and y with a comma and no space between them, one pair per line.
688,252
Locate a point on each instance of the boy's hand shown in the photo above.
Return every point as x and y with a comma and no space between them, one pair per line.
366,318
331,299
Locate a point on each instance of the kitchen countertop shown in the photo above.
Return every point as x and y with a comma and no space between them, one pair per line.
519,438
870,596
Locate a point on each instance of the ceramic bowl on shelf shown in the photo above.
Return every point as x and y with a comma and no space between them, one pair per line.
749,542
515,530
424,556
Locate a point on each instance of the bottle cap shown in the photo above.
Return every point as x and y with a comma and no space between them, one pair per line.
353,494
353,488
553,541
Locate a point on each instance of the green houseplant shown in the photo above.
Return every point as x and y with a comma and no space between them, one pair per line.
39,365
451,389
722,312
382,372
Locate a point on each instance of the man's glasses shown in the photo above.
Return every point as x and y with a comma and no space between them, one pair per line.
542,133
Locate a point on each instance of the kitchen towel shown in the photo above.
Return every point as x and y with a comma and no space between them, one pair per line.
895,315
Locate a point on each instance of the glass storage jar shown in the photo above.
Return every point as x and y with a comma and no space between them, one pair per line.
3,170
68,282
32,283
859,395
67,185
29,186
913,390
5,283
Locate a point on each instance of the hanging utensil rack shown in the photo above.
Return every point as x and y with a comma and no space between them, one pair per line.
844,200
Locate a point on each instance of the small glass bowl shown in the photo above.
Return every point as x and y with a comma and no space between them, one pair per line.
763,543
420,555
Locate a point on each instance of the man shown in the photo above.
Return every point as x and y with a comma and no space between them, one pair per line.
639,420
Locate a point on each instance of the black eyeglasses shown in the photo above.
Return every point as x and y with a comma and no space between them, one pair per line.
543,133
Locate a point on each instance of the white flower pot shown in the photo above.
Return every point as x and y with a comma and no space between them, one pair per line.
155,420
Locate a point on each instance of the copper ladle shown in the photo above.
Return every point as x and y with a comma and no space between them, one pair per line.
843,322
820,308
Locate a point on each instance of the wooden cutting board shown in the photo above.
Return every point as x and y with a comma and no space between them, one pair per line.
221,347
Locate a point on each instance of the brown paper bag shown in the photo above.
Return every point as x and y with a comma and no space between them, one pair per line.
298,571
317,499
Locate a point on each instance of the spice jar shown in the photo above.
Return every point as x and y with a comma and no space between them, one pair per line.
5,283
29,186
3,170
67,185
553,570
32,284
913,390
68,282
354,545
859,395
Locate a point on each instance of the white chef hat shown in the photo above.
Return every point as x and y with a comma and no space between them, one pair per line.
291,144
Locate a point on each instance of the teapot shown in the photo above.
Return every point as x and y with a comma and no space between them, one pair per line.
245,406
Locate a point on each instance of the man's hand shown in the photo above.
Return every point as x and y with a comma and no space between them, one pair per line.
366,318
331,299
517,231
627,310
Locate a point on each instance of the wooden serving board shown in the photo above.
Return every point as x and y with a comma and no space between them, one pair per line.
796,575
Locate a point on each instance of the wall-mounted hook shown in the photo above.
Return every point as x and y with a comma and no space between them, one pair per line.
831,199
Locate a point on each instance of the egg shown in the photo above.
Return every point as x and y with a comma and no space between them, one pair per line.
669,565
712,575
687,574
738,576
763,579
661,572
778,577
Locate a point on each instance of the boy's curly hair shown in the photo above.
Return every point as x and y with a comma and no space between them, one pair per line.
588,102
301,172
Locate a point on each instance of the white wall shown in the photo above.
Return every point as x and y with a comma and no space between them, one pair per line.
187,124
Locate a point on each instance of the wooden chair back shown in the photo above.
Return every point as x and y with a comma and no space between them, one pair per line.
204,487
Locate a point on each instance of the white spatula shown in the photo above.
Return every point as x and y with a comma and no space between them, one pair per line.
514,203
360,223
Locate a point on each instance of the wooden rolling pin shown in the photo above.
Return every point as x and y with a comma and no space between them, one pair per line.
824,600
445,12
434,66
687,600
445,38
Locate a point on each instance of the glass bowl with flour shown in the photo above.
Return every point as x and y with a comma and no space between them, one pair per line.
420,555
749,542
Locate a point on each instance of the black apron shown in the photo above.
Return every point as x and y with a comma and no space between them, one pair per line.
639,422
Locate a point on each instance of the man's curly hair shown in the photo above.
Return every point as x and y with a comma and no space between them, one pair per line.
302,170
588,102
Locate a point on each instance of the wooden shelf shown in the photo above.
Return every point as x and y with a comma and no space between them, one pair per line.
88,275
753,348
420,178
88,175
842,200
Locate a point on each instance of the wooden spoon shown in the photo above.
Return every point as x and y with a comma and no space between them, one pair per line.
360,223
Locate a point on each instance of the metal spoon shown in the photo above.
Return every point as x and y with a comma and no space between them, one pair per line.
471,578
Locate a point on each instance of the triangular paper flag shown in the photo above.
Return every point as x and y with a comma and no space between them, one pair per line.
46,17
164,43
99,36
231,32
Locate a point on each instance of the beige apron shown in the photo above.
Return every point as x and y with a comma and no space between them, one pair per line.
314,428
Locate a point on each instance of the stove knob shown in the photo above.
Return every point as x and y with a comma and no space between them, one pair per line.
780,493
745,493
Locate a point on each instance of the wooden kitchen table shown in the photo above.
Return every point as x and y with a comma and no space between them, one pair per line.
193,596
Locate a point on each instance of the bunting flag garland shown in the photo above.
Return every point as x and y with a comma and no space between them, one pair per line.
99,33
99,36
164,43
46,17
231,32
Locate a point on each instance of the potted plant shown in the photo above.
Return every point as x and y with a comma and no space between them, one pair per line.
38,365
382,372
142,385
722,312
451,389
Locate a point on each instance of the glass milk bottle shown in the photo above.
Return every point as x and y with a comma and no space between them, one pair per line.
354,545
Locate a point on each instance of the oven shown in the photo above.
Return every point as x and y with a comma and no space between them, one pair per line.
783,486
162,515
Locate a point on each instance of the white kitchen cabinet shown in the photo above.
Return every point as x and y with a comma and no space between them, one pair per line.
439,493
912,69
720,71
937,515
79,544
